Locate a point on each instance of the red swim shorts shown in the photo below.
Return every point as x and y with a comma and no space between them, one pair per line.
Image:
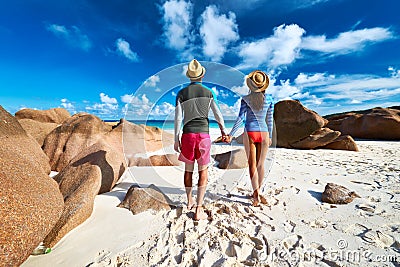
257,137
195,146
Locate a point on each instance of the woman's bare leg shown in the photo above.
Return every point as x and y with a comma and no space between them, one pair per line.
262,151
251,151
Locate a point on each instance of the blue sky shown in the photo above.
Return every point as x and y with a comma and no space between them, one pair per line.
92,56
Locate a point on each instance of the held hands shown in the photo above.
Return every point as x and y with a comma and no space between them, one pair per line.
227,138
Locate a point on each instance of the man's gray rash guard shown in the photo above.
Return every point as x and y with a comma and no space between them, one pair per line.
194,102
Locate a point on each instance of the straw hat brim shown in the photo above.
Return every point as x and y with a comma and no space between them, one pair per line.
203,71
253,87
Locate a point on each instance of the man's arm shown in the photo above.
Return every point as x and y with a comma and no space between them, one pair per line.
218,116
177,124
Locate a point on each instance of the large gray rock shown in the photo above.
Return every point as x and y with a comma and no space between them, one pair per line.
294,122
155,160
38,130
30,201
74,135
54,115
138,199
376,123
95,170
319,138
337,194
235,159
343,142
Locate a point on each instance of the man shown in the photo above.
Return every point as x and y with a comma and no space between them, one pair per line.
195,102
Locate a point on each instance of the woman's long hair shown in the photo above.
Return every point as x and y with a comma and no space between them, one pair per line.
257,100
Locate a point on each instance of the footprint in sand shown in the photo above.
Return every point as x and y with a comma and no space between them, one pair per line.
102,259
354,229
289,226
379,239
366,207
292,242
318,223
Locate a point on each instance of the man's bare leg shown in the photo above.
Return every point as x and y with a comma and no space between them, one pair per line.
188,184
200,214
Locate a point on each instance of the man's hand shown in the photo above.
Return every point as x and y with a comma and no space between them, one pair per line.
227,138
177,146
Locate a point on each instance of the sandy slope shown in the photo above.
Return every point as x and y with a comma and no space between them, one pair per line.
294,229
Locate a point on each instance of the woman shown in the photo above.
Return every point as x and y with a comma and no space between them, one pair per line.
256,110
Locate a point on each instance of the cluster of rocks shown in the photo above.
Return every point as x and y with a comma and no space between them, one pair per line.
301,128
89,155
377,123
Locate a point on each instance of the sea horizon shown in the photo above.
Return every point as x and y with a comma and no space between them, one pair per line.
169,124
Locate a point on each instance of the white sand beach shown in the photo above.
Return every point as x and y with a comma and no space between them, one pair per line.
294,229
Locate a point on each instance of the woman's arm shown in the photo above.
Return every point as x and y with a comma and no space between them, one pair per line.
240,118
270,117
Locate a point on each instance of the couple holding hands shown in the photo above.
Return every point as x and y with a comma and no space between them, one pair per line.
192,106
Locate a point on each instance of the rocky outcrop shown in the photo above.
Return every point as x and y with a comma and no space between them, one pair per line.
319,138
343,142
138,199
95,170
38,130
54,115
30,201
235,159
155,160
74,135
376,123
294,122
132,138
337,194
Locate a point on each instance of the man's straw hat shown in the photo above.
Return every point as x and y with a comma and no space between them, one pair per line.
257,81
195,70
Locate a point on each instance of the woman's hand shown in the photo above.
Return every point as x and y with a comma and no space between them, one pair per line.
227,138
270,142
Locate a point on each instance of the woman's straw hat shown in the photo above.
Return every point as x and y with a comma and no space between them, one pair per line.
195,70
257,81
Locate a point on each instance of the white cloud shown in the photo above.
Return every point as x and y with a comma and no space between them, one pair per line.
304,79
282,48
108,105
152,81
241,90
72,35
124,49
288,43
346,42
322,91
163,109
108,100
127,98
394,72
177,15
136,105
65,103
217,32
